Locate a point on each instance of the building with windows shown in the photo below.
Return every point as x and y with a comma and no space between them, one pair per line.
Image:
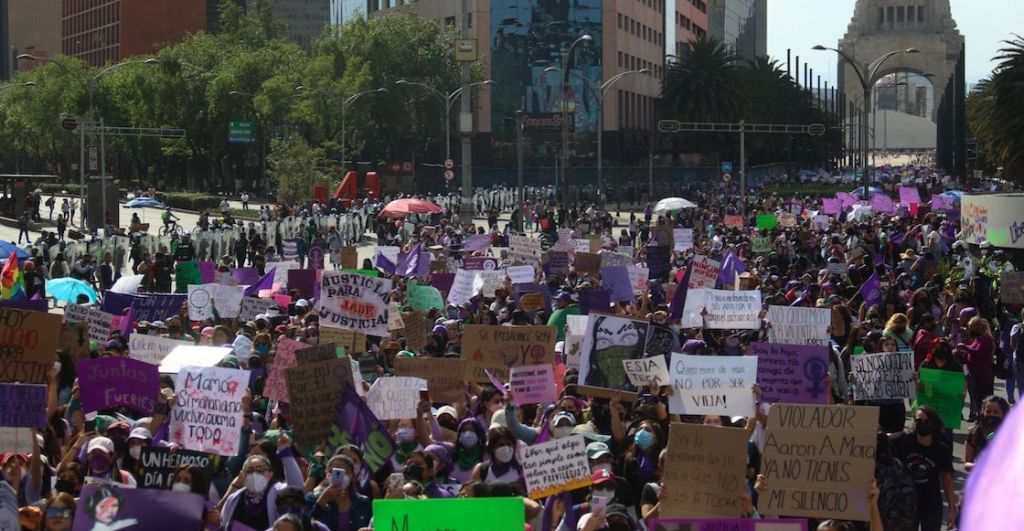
28,26
741,24
686,20
305,19
343,11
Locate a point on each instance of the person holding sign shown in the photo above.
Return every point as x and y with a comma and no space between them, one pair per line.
929,461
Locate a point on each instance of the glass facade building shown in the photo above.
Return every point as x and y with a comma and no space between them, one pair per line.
343,11
740,24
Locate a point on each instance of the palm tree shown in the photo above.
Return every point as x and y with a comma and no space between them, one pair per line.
703,84
996,111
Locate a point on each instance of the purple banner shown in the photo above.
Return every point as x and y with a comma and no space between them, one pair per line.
442,281
846,198
357,425
111,382
831,206
558,263
479,263
32,305
616,280
476,242
246,275
157,307
113,507
207,271
792,374
543,289
116,303
595,300
22,405
302,280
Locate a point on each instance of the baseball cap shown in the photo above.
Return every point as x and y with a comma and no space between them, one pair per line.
100,443
596,450
602,476
564,415
140,433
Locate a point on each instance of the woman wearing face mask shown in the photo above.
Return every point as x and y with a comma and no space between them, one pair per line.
488,403
978,355
419,467
928,460
502,463
364,482
993,410
70,478
640,460
102,464
59,512
251,496
411,435
468,450
190,478
138,439
335,501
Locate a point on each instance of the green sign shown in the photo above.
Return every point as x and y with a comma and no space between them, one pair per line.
943,390
766,221
425,297
241,132
365,272
761,244
449,514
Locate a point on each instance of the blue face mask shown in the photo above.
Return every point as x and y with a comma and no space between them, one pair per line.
262,349
643,439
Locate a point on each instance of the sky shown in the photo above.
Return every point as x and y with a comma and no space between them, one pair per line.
800,24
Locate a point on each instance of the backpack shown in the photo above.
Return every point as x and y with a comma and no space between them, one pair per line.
897,500
1001,364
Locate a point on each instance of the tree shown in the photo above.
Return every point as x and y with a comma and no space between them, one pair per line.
703,84
995,111
297,169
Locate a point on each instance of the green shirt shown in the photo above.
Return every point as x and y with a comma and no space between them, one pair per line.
559,318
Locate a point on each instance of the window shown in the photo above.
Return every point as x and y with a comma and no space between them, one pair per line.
920,14
881,16
620,20
901,14
620,59
890,15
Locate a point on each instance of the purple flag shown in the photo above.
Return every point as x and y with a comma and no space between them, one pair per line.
731,267
476,242
265,282
409,263
246,275
675,308
616,280
357,425
110,382
595,300
870,291
383,263
995,479
442,281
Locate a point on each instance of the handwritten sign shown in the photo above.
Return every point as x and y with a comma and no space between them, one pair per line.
111,382
499,348
888,375
437,513
207,416
22,405
152,349
98,322
712,385
588,263
253,306
608,341
683,239
522,274
727,524
202,298
350,340
192,355
734,222
556,466
732,309
703,272
819,461
155,306
761,244
638,278
646,371
314,390
793,374
487,282
395,397
943,390
524,249
276,386
29,342
462,287
615,279
705,468
445,376
159,464
661,340
16,440
794,325
355,302
533,384
1011,287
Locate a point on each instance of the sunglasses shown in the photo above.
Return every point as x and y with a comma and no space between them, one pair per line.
59,512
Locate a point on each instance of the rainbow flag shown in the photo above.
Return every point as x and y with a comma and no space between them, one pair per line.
12,282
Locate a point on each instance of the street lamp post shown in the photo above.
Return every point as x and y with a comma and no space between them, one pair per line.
867,77
447,100
91,84
344,104
565,108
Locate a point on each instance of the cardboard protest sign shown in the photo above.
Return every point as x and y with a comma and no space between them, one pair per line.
253,306
532,302
943,390
29,342
155,306
703,272
819,461
607,342
1011,287
732,309
16,440
423,297
111,382
796,325
354,302
395,397
152,349
595,300
727,524
354,423
498,348
532,384
111,506
588,263
683,239
437,513
415,331
638,277
205,299
159,463
350,340
349,257
888,375
792,374
522,274
712,385
22,405
705,468
734,222
646,371
207,415
192,355
556,466
97,321
615,279
462,288
445,376
276,386
572,348
314,390
661,340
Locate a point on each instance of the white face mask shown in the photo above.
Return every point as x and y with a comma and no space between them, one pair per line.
503,454
561,431
181,487
405,434
135,452
608,494
256,483
601,466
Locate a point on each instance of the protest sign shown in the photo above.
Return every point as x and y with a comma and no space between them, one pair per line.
31,305
424,298
524,249
704,469
766,221
415,330
595,300
712,385
819,461
349,257
556,466
111,382
22,405
909,195
532,384
657,262
683,239
354,423
661,340
610,258
795,325
572,348
498,348
155,306
276,386
302,280
205,299
558,262
29,342
480,263
487,282
395,397
414,515
703,272
943,390
792,374
350,340
192,355
761,244
532,302
97,321
313,391
16,440
245,275
607,342
588,263
638,278
732,309
882,203
831,206
820,223
646,371
522,274
615,279
888,375
788,220
443,282
354,302
253,306
158,464
112,506
445,376
207,414
727,524
462,288
1011,287
734,222
152,349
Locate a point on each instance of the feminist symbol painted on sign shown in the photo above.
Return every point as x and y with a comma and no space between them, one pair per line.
815,371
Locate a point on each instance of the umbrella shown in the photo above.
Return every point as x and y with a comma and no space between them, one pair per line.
399,208
142,202
673,203
872,189
6,248
68,290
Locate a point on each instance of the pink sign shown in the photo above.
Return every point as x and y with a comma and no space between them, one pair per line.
831,206
909,195
846,199
882,203
284,359
533,384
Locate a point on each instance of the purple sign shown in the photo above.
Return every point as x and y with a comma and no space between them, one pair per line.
909,194
792,374
616,280
476,242
113,507
728,524
207,271
595,300
831,206
32,305
302,280
117,303
442,281
558,262
479,263
111,382
157,307
22,405
657,262
357,425
246,275
882,203
846,198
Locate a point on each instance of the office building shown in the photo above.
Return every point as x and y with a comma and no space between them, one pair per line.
685,21
28,26
343,11
107,31
741,24
305,19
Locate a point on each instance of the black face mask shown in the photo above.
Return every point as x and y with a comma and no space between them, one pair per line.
413,472
64,485
452,426
923,427
991,422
